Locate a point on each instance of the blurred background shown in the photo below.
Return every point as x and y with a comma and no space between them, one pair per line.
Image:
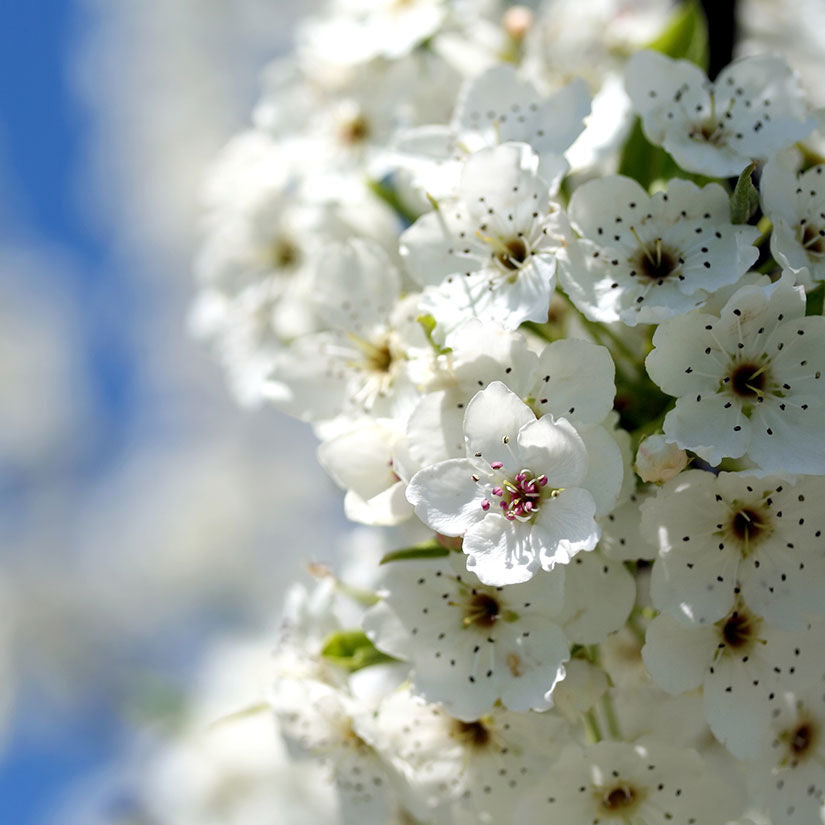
142,513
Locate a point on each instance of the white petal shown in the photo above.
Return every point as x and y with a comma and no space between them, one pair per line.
446,498
677,656
492,422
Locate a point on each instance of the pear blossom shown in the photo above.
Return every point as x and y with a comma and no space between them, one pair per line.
721,535
516,498
466,771
380,259
612,783
490,251
753,109
748,382
323,721
361,359
641,258
743,665
787,778
471,644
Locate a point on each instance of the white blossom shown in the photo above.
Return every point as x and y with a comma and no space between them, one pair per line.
479,770
748,383
471,644
516,498
490,251
788,777
752,110
718,536
618,782
641,258
743,665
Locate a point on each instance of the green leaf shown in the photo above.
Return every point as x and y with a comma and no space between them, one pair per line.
644,162
686,35
816,298
352,650
745,199
426,550
428,325
385,191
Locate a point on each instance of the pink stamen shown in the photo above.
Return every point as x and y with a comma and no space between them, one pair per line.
485,505
497,465
521,495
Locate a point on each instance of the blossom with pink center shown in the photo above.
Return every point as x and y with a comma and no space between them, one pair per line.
534,470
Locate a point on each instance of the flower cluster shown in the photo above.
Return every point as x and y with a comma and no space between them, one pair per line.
488,286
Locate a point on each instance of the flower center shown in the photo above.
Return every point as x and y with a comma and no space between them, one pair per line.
709,131
521,495
483,610
749,380
812,239
748,525
801,740
619,798
475,734
512,254
283,254
738,631
655,261
377,355
354,130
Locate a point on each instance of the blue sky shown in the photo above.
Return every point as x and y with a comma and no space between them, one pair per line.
43,131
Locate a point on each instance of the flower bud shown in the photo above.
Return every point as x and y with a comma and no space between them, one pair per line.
517,21
658,460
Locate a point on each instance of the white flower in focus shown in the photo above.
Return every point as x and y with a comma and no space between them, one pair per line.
795,204
643,258
719,536
616,783
743,665
490,251
749,382
470,644
657,460
517,497
754,109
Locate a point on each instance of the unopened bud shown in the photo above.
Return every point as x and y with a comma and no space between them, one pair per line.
658,460
517,21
